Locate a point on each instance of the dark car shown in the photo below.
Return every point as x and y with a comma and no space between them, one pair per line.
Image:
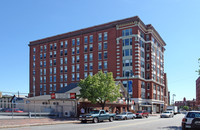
142,114
125,116
191,120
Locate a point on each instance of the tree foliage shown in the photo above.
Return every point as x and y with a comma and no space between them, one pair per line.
198,71
186,108
99,88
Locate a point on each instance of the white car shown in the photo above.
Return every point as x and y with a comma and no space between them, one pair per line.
167,114
191,120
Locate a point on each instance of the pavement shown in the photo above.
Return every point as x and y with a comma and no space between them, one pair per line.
27,122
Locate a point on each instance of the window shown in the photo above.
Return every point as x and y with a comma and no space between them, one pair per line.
148,58
141,44
65,44
61,52
61,69
77,50
147,37
54,78
55,46
77,68
34,50
91,38
65,52
77,77
61,61
99,46
51,47
61,85
99,65
147,47
54,54
142,64
77,59
127,32
40,71
40,63
50,86
78,41
54,87
73,42
91,66
91,47
54,61
61,78
148,66
85,75
54,70
45,48
127,52
105,45
73,51
148,86
105,36
105,55
73,68
99,37
50,55
50,78
85,67
65,60
65,69
73,59
50,70
100,56
45,55
65,77
61,45
50,62
65,84
41,48
91,56
91,73
85,39
85,58
44,63
44,71
148,76
73,77
85,48
105,65
44,87
40,56
33,72
127,42
33,57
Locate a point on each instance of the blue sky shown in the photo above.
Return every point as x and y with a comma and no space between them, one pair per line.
22,21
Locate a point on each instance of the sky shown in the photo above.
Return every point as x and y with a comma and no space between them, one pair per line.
22,21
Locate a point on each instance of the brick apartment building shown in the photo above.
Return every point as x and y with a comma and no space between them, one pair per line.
198,92
131,50
190,103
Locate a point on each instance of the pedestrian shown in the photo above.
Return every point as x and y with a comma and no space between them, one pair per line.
82,110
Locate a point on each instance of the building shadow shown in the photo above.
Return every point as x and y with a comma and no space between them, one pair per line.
171,128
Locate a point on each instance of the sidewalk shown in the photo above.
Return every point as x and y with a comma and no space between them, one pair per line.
13,123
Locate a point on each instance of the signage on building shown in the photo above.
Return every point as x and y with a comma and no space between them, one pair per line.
72,95
53,96
130,87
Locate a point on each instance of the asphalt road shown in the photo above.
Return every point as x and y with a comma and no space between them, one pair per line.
151,123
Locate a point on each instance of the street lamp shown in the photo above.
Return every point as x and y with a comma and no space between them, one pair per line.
128,75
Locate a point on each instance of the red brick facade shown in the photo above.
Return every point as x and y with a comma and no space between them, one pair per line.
198,92
122,47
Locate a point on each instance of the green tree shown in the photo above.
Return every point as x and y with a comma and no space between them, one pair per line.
99,88
186,108
198,71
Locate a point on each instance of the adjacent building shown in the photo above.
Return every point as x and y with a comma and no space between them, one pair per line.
131,50
198,92
190,103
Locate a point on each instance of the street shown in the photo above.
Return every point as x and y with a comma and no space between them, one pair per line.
151,123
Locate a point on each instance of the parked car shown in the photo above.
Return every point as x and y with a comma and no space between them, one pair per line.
125,116
142,114
168,114
191,120
96,116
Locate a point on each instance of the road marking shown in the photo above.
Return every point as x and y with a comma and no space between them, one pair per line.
126,125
